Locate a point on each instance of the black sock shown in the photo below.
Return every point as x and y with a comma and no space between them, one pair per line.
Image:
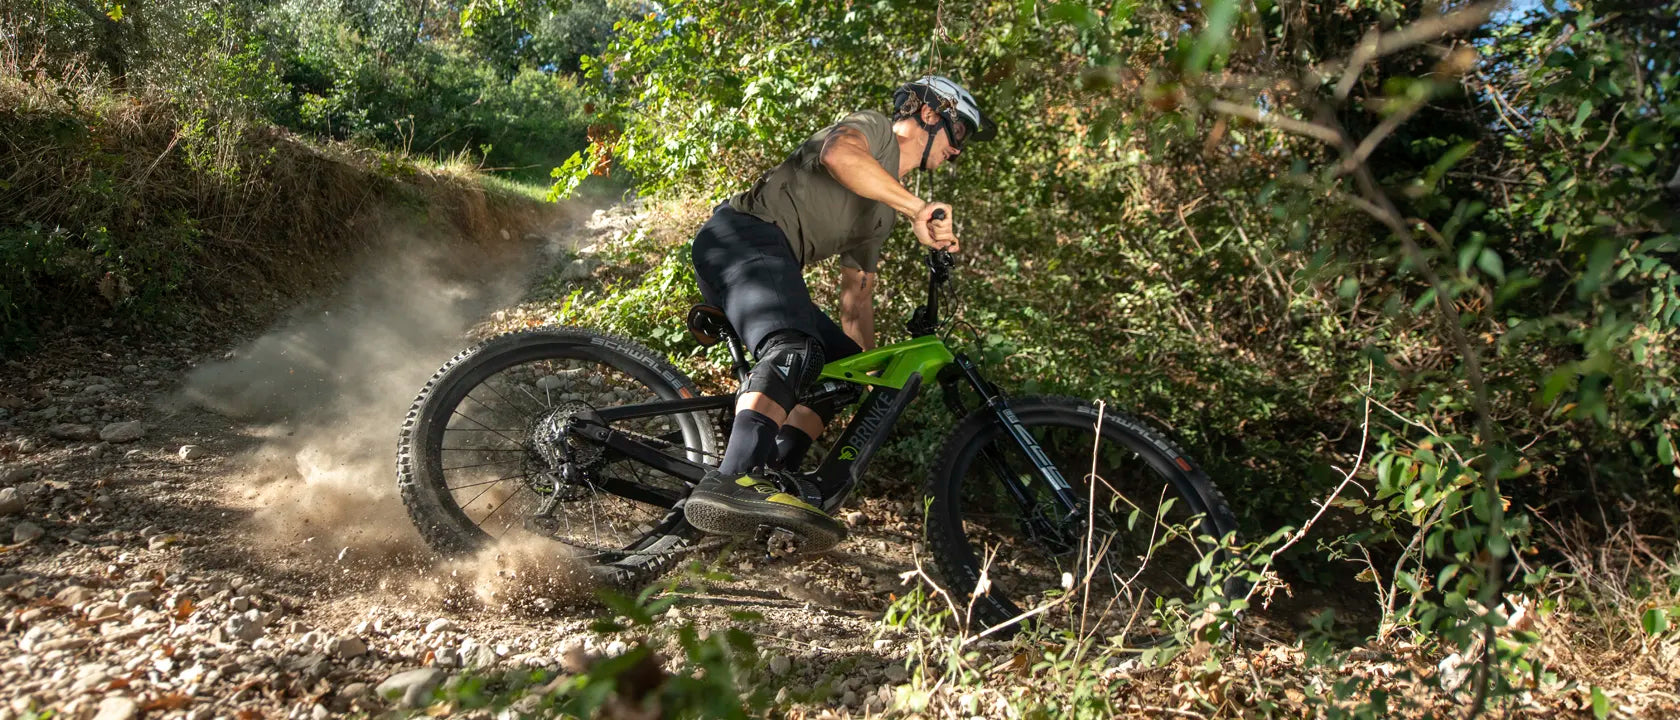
752,440
791,446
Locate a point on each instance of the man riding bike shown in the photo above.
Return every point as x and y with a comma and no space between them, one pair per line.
835,195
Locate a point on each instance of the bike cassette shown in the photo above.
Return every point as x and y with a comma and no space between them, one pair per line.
555,445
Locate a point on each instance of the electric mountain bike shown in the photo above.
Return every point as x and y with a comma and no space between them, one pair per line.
593,441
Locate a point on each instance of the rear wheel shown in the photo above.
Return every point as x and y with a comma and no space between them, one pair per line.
1147,518
482,448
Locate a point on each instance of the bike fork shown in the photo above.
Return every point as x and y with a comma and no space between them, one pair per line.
1006,417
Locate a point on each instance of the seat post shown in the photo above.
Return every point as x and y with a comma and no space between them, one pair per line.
738,354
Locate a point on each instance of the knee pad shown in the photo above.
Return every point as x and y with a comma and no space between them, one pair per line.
788,361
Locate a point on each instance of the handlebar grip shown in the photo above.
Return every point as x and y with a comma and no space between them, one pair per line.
940,258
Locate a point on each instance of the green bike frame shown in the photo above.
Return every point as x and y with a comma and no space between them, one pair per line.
891,366
888,378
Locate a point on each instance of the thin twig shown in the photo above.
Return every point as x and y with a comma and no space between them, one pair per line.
1347,478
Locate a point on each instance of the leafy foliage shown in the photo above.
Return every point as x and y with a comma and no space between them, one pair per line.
1247,223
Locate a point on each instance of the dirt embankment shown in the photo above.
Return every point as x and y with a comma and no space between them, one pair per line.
123,213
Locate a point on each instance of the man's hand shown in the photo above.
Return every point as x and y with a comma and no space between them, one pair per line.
936,234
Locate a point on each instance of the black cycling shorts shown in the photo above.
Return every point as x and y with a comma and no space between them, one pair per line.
745,266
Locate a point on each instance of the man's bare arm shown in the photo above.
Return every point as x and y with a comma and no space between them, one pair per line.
857,306
846,156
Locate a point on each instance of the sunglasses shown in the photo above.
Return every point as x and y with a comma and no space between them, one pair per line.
957,130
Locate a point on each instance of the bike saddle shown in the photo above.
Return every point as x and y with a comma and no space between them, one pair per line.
709,325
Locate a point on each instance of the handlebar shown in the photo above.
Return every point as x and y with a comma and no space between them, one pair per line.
925,320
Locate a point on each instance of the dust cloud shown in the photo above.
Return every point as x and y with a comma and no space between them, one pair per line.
324,393
521,573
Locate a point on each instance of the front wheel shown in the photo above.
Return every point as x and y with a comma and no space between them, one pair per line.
1119,563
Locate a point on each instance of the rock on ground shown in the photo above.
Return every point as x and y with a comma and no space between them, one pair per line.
118,707
25,531
412,688
11,501
71,431
347,647
123,431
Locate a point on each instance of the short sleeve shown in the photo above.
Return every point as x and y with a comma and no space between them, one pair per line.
877,129
863,258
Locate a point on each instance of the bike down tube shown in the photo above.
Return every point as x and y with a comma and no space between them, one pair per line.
1000,408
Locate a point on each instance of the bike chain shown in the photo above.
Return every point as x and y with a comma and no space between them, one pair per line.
667,443
778,547
600,550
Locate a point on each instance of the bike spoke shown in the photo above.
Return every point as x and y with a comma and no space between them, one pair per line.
486,482
505,502
487,428
483,464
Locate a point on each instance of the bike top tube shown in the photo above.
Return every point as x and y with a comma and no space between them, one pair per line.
891,365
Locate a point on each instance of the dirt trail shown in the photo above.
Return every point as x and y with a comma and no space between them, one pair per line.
209,527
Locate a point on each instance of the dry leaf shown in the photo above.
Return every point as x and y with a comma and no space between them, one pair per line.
184,609
171,701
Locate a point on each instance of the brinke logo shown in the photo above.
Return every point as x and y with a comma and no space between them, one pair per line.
866,427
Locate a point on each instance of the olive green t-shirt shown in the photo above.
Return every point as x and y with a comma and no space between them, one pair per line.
819,215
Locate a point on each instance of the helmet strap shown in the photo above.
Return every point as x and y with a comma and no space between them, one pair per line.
932,131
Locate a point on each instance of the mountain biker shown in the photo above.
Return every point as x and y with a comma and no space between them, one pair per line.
835,195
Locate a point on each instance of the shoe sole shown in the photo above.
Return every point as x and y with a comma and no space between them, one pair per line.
722,515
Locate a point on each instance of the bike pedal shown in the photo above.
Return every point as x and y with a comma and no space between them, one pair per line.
778,543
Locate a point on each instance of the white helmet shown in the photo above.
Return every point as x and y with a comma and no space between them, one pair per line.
951,101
